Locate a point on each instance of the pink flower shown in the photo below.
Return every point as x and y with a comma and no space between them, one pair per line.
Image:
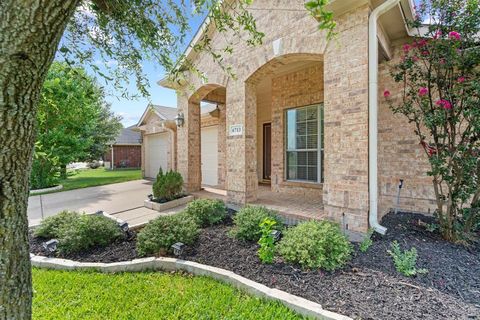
406,47
422,91
425,52
445,104
386,93
421,43
461,79
454,35
437,34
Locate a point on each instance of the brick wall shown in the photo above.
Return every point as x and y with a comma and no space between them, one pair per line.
125,156
400,155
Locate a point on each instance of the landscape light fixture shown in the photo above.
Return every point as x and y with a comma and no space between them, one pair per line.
123,225
276,235
180,119
51,245
178,248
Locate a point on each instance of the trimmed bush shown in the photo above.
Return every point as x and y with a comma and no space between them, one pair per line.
76,232
247,222
51,226
315,244
207,212
168,186
87,232
159,234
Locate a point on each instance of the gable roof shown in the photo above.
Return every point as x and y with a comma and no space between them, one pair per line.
164,113
128,136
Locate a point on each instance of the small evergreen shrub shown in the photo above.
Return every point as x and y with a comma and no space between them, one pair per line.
315,244
168,186
207,212
87,232
266,252
76,232
406,261
247,222
367,241
51,226
159,234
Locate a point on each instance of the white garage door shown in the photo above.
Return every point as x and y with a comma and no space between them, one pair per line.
156,154
210,155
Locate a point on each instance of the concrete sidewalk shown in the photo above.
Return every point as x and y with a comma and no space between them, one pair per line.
124,200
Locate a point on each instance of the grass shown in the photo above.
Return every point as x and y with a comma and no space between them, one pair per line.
98,177
88,295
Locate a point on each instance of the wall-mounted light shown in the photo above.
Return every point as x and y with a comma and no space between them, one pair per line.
179,120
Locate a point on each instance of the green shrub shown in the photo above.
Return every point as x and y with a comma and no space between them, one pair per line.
159,234
266,252
207,212
51,226
405,262
76,232
247,222
168,186
367,241
87,232
315,244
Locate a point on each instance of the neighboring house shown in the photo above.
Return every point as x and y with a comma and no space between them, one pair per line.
125,152
296,116
158,129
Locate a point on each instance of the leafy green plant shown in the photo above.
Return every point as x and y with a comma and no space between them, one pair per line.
367,241
87,232
431,227
207,212
51,226
315,244
247,222
159,234
406,261
168,186
76,232
266,252
45,167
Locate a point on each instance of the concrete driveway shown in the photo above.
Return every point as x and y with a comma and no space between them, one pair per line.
125,200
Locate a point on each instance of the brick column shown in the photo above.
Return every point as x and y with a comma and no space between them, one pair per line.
242,180
346,122
188,144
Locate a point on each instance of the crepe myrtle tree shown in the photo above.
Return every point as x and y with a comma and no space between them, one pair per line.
440,94
32,32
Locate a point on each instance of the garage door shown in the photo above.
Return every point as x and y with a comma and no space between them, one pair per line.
210,155
156,154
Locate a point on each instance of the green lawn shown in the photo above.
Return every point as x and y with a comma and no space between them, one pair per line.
97,177
87,295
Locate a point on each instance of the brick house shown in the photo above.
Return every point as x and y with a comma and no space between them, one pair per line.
158,133
125,150
295,125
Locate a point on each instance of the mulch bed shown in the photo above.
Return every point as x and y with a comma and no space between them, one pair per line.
369,287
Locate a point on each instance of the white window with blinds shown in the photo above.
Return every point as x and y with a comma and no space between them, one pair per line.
304,144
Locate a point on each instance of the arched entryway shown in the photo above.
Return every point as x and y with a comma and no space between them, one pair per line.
288,95
201,149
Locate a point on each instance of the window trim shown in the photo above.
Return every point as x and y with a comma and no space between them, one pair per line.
320,136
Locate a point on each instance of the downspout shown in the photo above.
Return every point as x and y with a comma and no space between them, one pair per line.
373,113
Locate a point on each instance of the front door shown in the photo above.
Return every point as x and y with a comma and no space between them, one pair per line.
267,150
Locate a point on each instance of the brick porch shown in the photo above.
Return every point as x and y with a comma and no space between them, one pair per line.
292,207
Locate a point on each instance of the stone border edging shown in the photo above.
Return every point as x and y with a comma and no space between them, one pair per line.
37,191
302,306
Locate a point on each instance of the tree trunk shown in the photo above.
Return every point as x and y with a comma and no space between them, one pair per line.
30,31
63,171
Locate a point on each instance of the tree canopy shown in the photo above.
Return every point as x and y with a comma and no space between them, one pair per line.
74,121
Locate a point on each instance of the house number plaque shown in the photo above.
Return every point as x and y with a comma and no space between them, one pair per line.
236,130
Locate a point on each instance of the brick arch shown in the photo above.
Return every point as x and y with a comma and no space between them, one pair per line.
203,91
269,66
